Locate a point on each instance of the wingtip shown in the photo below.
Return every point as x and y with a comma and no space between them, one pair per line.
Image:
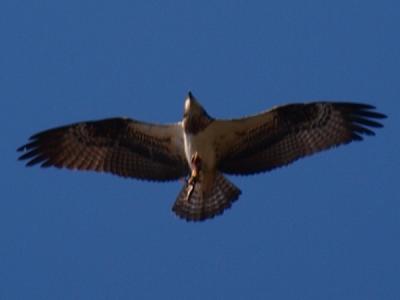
381,116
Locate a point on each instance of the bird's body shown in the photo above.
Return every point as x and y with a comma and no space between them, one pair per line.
200,155
198,134
201,148
199,144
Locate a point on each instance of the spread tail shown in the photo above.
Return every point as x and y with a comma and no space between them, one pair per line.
196,204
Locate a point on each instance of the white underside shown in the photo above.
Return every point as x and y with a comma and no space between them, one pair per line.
203,144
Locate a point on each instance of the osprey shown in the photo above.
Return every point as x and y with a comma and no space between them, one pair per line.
200,148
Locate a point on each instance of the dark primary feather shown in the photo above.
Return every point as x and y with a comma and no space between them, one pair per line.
120,146
293,131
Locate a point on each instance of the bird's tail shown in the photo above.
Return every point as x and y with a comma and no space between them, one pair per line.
196,202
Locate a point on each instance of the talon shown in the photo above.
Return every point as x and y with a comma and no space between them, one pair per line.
195,165
192,183
190,192
194,176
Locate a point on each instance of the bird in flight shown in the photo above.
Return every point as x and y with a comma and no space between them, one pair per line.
202,149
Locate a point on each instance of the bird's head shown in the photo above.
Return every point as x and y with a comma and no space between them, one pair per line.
194,115
193,107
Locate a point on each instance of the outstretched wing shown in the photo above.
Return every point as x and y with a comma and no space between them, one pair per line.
286,133
120,146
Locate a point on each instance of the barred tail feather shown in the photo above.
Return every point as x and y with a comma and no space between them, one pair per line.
193,204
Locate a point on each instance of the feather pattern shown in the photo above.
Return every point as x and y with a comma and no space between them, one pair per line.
193,204
202,147
120,146
287,133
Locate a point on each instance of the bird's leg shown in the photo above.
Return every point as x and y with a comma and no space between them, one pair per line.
190,192
196,167
195,164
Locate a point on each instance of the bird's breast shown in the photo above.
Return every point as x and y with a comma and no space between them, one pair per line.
201,144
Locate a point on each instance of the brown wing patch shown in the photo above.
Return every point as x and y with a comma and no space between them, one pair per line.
297,130
120,146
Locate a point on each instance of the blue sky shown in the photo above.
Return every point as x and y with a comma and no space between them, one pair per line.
327,227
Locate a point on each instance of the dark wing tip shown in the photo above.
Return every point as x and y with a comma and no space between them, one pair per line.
22,148
361,117
360,108
32,155
33,151
354,105
27,152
